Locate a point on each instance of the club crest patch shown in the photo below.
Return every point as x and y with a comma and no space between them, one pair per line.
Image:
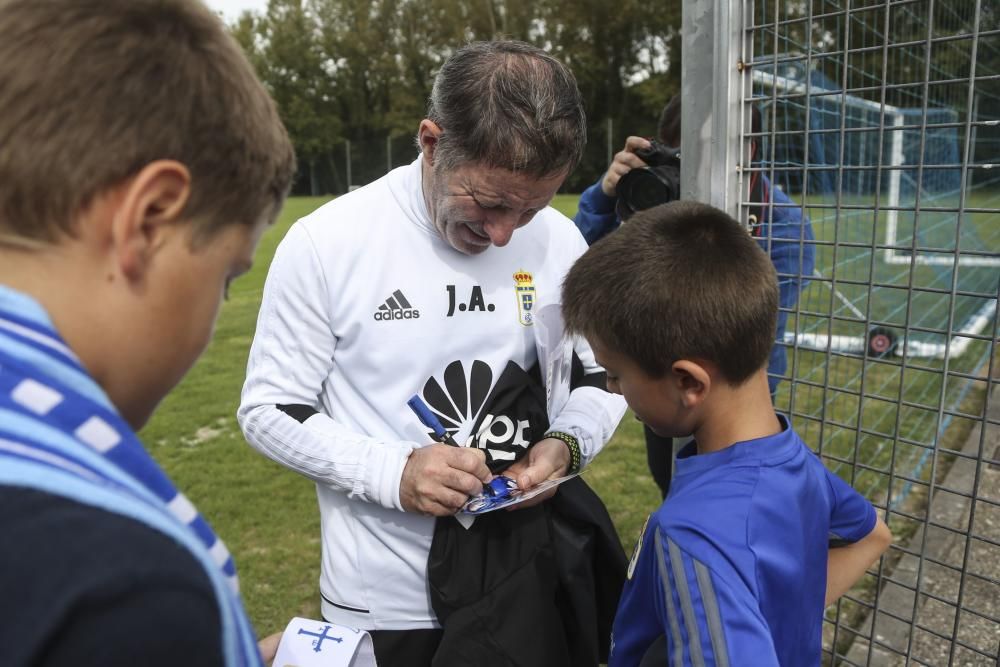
524,288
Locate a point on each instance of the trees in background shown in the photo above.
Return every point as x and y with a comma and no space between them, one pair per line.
353,76
356,74
284,46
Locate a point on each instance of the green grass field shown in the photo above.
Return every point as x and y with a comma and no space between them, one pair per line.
268,516
870,414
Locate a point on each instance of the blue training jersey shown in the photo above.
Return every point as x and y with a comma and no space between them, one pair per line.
732,567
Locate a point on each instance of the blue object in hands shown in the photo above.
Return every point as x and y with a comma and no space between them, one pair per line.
499,492
428,419
499,487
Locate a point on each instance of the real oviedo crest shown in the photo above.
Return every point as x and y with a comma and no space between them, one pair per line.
524,288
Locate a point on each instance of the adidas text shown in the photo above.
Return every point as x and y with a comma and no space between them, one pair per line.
408,314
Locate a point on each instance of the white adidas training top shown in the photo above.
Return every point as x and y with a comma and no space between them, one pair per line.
364,306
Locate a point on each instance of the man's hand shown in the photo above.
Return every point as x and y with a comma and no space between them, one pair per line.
625,161
438,479
546,459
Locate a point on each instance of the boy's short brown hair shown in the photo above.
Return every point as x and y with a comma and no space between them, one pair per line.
678,281
91,91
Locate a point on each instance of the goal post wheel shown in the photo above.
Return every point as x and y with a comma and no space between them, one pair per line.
881,342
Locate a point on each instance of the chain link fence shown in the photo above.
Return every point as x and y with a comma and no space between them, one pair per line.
881,118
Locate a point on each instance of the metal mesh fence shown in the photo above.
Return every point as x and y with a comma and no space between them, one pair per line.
353,164
881,119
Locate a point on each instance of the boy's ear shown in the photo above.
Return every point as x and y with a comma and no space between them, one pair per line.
146,207
693,380
428,136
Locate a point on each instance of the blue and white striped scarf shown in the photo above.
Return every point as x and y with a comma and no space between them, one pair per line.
60,434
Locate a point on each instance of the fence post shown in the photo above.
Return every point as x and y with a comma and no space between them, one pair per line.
347,160
710,111
611,145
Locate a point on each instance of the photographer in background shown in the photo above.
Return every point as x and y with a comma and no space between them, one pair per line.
778,224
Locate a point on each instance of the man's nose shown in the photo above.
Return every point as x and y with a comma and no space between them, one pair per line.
500,227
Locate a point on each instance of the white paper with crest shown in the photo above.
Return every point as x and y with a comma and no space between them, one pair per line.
308,643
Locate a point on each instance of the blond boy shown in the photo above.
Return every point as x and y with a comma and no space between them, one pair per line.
140,161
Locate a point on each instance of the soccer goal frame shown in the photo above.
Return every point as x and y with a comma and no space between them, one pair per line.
894,250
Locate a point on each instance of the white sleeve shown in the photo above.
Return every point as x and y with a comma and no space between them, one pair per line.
592,413
290,359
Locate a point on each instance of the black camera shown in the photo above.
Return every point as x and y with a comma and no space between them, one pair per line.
646,187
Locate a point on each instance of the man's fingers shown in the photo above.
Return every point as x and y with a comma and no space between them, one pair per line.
536,473
450,502
433,508
537,500
530,478
626,161
439,500
632,143
447,485
438,479
461,481
471,460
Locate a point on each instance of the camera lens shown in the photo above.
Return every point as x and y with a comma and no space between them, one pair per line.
646,190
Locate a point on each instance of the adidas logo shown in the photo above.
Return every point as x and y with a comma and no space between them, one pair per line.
396,307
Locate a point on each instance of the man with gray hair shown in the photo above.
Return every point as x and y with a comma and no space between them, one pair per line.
417,284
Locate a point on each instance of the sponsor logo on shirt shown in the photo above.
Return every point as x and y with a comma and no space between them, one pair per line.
396,307
524,288
467,395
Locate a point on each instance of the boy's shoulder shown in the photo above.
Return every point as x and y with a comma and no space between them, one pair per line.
115,571
709,523
718,500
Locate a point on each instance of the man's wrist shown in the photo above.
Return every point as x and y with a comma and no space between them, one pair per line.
606,197
573,445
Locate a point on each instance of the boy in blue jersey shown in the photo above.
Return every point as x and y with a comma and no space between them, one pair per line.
734,568
140,160
782,230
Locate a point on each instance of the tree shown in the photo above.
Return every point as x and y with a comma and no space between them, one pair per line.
284,46
362,70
